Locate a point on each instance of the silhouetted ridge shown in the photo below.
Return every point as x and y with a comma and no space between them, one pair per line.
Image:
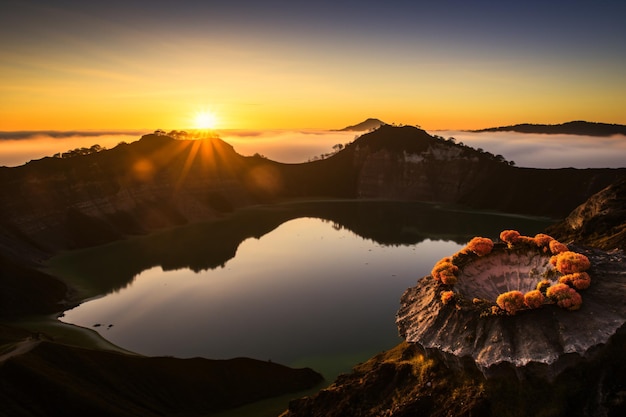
160,182
578,127
367,124
405,138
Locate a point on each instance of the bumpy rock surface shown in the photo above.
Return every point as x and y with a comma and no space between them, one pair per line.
549,335
599,222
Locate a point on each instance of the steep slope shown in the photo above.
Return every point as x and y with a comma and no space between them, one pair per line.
134,188
600,221
406,163
56,380
25,290
407,381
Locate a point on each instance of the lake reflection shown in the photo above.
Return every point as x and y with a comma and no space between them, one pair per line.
308,293
305,290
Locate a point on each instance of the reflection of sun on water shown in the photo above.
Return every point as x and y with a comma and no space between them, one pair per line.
205,120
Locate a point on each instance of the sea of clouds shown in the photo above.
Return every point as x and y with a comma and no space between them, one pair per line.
548,151
19,147
288,146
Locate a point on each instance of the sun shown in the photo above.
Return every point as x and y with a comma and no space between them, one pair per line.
205,120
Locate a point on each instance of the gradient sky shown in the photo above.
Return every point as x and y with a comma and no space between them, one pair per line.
442,64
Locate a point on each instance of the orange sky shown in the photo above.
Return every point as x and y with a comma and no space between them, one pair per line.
140,65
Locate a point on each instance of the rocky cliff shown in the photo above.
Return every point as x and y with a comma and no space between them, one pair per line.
600,221
156,182
408,163
408,381
545,339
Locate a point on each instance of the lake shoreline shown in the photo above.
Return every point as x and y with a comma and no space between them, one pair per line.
248,224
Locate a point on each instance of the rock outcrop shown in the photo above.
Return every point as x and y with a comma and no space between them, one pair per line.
546,361
400,382
407,381
599,222
547,338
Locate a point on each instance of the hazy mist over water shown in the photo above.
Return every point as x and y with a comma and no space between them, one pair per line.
527,150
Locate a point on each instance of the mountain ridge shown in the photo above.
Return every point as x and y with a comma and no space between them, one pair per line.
367,124
578,127
160,181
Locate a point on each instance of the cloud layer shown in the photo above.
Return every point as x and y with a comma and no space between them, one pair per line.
527,150
548,151
17,148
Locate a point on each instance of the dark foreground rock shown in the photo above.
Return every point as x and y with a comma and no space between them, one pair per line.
408,381
600,221
549,338
56,380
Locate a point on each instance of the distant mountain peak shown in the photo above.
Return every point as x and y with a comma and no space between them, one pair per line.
367,124
577,127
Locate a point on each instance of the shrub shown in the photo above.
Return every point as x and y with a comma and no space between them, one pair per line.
570,262
481,246
557,247
578,280
511,301
444,270
447,296
533,299
543,240
543,285
564,296
447,277
509,236
553,260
